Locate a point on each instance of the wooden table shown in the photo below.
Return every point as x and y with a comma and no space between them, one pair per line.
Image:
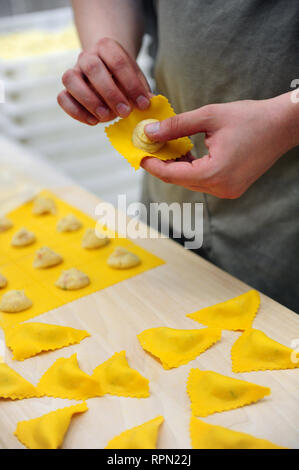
160,297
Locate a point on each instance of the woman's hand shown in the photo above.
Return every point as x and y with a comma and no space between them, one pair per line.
106,82
244,139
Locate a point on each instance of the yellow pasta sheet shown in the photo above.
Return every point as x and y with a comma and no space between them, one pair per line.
38,284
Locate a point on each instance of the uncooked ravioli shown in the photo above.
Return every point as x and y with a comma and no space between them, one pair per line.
69,223
5,224
14,301
121,258
46,258
43,205
72,279
23,237
3,281
93,240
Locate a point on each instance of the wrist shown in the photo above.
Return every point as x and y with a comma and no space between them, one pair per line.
284,114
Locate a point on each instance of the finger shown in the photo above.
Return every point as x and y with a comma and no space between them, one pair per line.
79,89
96,72
180,125
182,173
126,72
75,109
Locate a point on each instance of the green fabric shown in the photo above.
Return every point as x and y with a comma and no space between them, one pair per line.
213,51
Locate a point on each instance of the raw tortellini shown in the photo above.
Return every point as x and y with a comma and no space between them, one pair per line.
5,224
15,301
46,258
69,223
72,279
122,258
3,281
23,237
142,141
43,205
93,240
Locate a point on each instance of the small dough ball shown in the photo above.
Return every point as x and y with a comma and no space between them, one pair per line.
3,281
141,140
72,279
122,258
15,301
23,238
69,223
43,205
93,240
46,258
5,224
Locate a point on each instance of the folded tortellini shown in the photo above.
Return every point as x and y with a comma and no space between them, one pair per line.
46,258
142,141
69,223
3,281
23,237
43,205
121,258
92,240
72,279
5,224
15,301
144,436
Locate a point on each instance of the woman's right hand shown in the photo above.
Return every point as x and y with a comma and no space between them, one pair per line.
106,82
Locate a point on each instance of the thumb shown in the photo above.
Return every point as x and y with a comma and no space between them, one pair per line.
180,125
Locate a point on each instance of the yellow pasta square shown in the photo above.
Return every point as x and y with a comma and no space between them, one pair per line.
120,134
16,264
211,392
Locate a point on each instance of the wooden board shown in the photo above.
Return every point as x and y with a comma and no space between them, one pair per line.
160,297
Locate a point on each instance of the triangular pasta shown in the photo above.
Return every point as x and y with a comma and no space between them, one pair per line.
14,386
143,436
254,350
28,339
177,347
209,436
234,314
47,431
65,379
211,392
118,378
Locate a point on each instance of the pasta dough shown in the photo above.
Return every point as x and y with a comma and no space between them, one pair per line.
69,223
43,205
72,279
15,301
211,392
3,281
14,386
144,436
122,258
93,240
46,258
142,141
5,224
23,237
210,436
47,431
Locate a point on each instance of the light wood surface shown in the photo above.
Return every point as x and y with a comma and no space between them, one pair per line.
160,297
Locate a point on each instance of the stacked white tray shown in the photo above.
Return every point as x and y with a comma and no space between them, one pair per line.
31,115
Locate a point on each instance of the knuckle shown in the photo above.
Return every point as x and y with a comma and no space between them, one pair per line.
118,62
173,125
105,42
112,96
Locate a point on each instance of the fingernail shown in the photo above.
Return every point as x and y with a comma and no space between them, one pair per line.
92,121
152,129
123,110
102,112
142,102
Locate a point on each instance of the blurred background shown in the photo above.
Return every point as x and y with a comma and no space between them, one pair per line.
38,141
